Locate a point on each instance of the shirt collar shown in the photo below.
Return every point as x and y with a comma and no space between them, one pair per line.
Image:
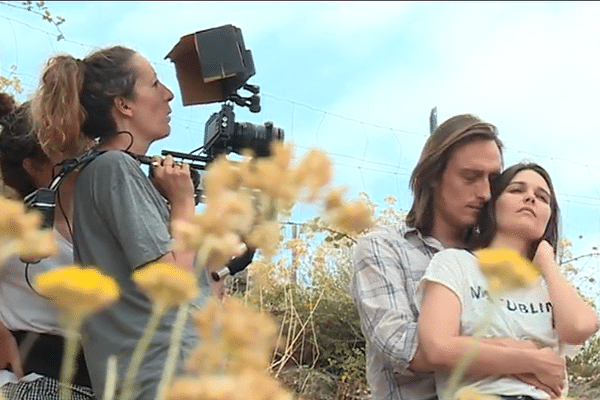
430,241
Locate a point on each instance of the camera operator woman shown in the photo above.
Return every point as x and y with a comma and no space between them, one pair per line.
24,314
114,100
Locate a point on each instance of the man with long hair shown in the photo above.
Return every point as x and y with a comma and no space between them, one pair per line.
451,184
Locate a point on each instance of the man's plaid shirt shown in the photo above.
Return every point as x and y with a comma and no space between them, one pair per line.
388,265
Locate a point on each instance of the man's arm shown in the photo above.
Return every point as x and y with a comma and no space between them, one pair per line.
443,347
380,294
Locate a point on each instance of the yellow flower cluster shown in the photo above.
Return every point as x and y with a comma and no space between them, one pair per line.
244,199
167,285
348,217
506,269
232,360
78,291
20,232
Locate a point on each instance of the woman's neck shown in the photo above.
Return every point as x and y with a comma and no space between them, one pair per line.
125,141
510,241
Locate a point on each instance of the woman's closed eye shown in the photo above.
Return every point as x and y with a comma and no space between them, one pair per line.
543,197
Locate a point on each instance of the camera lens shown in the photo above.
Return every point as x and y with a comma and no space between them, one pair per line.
255,137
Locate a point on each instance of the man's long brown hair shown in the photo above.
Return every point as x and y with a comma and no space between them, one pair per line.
453,134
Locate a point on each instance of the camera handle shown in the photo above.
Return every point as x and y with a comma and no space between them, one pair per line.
252,102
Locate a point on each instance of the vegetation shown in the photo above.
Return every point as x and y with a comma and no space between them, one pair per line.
321,352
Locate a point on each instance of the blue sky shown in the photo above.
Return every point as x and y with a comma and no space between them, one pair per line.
359,79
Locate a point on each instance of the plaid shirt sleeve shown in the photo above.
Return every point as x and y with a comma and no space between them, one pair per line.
380,288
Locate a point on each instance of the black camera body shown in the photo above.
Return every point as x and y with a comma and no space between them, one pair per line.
223,135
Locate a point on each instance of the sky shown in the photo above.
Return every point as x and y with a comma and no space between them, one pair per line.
359,79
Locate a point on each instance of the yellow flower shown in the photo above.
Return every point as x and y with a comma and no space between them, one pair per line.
167,285
37,245
468,393
221,175
265,236
265,175
334,198
79,291
216,251
351,217
282,153
20,232
314,171
506,269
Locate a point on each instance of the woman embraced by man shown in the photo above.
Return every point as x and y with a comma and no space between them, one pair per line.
521,215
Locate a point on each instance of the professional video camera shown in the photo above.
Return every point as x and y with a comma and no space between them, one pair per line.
212,65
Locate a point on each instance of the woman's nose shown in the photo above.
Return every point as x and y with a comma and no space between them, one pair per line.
529,198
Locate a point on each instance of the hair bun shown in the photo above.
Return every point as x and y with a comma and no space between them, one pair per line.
8,104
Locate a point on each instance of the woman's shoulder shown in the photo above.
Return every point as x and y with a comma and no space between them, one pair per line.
112,160
115,156
452,253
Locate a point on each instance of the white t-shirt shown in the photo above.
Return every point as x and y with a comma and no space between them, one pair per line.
524,313
20,307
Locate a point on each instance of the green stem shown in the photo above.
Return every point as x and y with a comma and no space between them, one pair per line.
175,345
8,248
465,361
140,351
111,378
67,369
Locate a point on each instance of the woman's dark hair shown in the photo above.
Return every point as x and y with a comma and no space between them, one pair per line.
450,136
16,144
73,104
487,219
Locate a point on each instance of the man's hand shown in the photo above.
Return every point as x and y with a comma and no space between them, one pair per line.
532,380
550,370
551,365
9,352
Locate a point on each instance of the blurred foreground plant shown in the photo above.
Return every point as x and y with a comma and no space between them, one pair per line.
21,233
233,357
167,285
77,292
243,202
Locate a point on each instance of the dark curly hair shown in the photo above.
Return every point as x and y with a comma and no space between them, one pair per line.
17,142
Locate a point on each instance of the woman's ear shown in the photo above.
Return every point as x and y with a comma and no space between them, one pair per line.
30,166
40,172
122,106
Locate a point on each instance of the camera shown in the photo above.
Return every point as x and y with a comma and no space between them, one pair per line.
212,65
223,135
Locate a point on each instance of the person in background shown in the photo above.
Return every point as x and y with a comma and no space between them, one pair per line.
24,314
